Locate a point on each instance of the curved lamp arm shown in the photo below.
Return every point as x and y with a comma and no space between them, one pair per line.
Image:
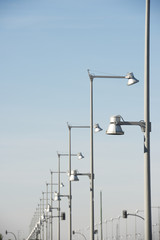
12,234
80,234
116,122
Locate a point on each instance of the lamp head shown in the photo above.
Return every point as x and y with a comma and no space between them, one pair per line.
56,196
49,209
73,177
131,79
61,185
80,156
114,126
97,128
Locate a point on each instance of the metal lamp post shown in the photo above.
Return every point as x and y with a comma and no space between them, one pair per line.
115,129
131,80
106,221
51,204
97,129
137,211
158,207
80,156
47,214
70,186
51,225
147,181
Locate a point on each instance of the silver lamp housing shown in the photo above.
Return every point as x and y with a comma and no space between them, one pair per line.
49,208
56,196
97,128
80,156
73,177
114,126
131,79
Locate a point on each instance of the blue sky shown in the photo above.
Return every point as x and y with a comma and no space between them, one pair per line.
46,48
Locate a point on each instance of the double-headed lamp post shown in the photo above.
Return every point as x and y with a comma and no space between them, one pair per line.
131,80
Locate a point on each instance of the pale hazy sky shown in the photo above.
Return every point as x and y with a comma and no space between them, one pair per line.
46,48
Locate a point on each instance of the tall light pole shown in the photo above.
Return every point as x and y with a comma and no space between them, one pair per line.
112,219
51,225
51,204
46,213
137,211
115,129
79,155
101,215
58,194
70,186
158,207
42,215
40,212
59,220
97,129
106,221
147,178
131,80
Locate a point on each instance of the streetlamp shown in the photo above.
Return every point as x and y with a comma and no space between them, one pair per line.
75,232
79,156
59,185
41,206
115,129
158,207
97,129
137,211
153,231
112,219
101,216
106,221
46,207
51,202
131,80
147,177
12,234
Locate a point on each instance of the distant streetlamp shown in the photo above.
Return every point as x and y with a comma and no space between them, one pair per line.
106,221
137,211
12,234
75,232
79,156
158,207
112,219
97,129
